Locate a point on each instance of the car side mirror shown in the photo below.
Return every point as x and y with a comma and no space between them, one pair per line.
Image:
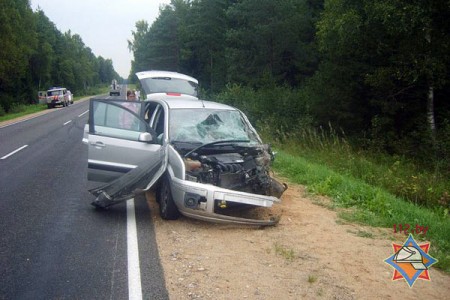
145,137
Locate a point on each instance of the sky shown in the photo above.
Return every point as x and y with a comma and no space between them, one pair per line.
104,26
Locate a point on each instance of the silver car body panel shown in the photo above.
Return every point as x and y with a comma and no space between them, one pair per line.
112,149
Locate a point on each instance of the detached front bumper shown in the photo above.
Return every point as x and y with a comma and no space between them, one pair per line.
201,201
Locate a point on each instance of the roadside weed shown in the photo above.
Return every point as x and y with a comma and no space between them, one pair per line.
312,278
283,251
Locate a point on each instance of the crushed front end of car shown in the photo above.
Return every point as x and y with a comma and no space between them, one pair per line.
224,182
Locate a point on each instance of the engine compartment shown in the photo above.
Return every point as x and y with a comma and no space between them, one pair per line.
240,169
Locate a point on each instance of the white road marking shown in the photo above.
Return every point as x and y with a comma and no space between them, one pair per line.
67,123
14,152
79,116
134,270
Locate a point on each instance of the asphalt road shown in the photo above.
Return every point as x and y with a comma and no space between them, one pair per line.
54,244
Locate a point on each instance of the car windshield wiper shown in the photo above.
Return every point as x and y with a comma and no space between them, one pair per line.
216,143
185,142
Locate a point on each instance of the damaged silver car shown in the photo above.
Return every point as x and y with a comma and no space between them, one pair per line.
201,158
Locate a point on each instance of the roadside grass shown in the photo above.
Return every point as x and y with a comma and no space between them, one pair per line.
423,184
21,110
286,253
372,205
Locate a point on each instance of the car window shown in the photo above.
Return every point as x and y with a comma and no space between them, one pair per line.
150,108
209,125
169,85
116,119
157,122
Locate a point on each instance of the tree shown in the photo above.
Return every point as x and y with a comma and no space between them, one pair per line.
35,55
17,42
158,47
389,56
138,46
41,61
204,49
271,37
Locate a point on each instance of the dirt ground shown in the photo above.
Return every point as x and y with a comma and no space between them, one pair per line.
310,254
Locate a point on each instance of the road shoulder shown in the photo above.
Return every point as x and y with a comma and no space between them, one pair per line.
310,254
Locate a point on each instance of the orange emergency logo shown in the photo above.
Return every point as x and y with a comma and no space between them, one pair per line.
411,261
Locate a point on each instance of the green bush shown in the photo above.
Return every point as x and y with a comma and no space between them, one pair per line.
17,108
274,110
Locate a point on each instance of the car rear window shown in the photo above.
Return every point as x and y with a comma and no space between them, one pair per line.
54,93
169,85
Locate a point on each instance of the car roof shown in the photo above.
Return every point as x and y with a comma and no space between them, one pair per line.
155,73
189,103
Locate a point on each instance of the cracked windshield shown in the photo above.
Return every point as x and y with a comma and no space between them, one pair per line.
207,125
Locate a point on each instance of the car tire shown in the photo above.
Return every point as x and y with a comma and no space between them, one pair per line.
167,208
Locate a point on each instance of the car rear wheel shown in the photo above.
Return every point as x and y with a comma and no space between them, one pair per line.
167,208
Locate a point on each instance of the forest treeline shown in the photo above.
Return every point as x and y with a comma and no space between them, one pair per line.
376,70
35,55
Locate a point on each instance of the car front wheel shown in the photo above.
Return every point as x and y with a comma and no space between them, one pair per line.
167,208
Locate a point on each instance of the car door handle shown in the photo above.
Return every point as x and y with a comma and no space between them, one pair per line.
98,145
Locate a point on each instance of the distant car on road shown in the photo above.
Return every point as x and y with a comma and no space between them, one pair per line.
115,88
58,96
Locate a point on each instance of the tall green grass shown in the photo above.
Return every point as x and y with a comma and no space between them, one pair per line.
404,178
328,166
20,110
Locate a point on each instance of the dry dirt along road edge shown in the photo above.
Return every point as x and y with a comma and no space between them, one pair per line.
310,254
